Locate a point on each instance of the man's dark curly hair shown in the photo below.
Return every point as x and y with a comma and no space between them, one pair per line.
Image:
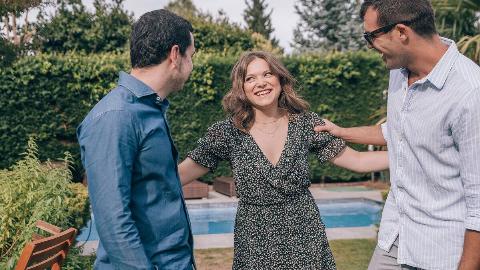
153,36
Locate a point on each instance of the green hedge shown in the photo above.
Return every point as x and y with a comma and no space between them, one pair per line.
31,191
48,96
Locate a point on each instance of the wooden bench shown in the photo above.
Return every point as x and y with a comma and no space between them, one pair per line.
224,185
195,190
46,252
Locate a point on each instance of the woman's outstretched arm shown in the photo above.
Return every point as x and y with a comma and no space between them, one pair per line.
361,162
189,170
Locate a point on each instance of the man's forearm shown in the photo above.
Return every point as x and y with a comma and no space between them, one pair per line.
363,135
471,251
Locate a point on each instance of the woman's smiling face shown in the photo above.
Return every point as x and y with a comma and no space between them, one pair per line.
261,86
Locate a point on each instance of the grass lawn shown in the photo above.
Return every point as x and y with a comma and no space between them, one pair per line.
353,254
349,255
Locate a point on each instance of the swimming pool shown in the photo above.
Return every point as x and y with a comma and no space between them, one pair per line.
219,218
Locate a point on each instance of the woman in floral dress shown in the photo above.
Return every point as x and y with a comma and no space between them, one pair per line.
266,139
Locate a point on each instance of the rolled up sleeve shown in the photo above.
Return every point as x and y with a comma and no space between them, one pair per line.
383,126
467,136
108,146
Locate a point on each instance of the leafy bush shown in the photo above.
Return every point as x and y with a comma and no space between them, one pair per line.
8,52
221,37
74,27
48,96
31,191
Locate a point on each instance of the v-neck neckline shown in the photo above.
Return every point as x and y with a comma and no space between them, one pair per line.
285,144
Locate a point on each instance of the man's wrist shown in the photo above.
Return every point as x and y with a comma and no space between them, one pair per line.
342,133
464,265
470,259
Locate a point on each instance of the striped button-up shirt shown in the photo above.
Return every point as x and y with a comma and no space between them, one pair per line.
433,138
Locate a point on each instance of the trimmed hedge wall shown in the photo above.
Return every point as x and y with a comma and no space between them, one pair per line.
48,95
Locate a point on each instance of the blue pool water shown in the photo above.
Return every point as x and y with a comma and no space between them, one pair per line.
219,218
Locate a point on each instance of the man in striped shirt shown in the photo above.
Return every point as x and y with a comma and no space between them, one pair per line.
431,219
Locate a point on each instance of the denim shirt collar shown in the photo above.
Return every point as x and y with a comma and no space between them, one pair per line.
140,89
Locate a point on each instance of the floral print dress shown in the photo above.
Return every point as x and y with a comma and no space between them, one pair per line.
278,224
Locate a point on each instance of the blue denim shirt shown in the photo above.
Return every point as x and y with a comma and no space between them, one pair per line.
134,188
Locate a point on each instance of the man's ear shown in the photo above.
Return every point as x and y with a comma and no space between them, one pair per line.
403,31
174,55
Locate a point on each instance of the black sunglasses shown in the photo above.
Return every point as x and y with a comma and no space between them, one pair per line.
370,36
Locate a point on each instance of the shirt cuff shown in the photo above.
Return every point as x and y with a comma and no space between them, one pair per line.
384,131
472,223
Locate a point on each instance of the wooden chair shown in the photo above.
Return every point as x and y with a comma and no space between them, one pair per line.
46,252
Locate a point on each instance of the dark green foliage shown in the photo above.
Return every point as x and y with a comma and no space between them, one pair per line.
49,95
258,20
18,6
73,27
457,18
8,52
456,24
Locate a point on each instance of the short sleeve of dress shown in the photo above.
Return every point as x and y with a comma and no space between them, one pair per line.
213,147
323,144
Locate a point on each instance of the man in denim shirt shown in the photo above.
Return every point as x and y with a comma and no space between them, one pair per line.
129,156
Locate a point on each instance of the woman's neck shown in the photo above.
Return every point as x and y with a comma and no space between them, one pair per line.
268,115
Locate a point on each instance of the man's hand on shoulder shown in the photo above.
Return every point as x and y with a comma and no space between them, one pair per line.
361,135
330,128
